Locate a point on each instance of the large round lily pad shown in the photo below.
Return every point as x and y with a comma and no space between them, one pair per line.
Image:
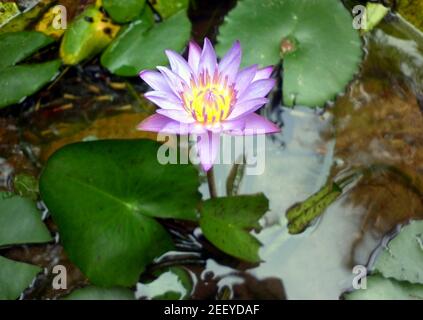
321,51
104,196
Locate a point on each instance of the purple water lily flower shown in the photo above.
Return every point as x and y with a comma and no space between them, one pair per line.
206,98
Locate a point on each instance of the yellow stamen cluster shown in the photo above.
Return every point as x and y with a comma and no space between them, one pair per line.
209,100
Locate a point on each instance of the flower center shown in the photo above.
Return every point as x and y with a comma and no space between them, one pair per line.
210,100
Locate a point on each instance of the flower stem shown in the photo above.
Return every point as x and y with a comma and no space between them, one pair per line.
211,183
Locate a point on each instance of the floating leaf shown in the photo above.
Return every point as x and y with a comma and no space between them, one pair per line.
141,46
87,36
20,221
402,259
380,288
167,8
124,11
103,196
16,46
18,82
15,277
317,62
226,222
300,215
46,23
173,283
98,293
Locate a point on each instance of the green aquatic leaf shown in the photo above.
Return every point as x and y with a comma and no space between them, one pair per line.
124,11
89,34
15,277
380,288
402,258
16,46
20,221
8,11
104,196
375,12
226,222
167,8
18,82
99,293
172,283
141,46
318,63
302,214
26,185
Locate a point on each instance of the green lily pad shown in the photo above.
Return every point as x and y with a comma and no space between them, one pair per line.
141,46
380,288
321,51
226,223
124,11
173,283
402,259
167,8
20,221
18,82
98,293
16,46
103,196
15,277
87,36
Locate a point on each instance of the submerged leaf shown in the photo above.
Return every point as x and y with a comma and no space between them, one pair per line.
26,185
302,214
103,196
302,33
226,222
8,11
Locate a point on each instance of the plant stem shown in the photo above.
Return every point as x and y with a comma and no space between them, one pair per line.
211,183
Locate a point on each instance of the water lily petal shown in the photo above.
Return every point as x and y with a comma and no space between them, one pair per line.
155,80
179,65
164,100
178,115
208,60
255,124
229,65
263,73
258,89
194,54
208,149
245,107
154,123
175,82
244,79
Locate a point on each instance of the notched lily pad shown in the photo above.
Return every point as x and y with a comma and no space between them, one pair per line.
104,196
124,11
226,223
318,62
